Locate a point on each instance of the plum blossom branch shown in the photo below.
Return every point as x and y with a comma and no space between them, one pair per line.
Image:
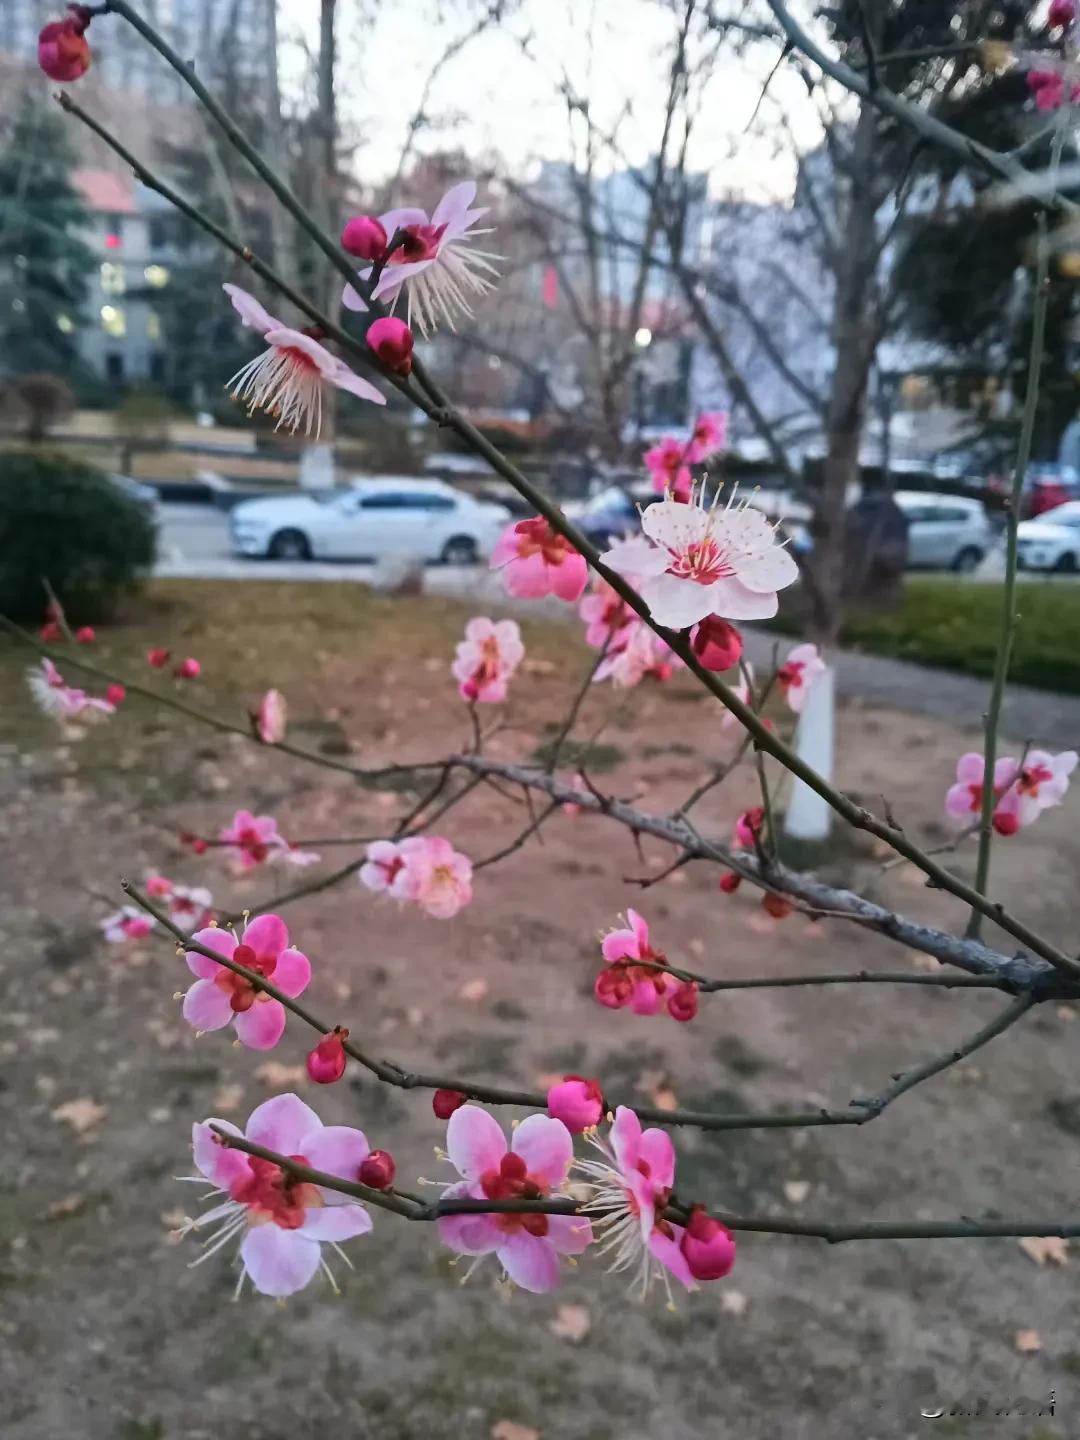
410,1208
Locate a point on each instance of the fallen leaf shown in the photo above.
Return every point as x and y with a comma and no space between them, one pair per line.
796,1191
226,1098
572,1322
511,1430
1027,1341
275,1075
474,989
69,1205
81,1115
1043,1248
1066,1013
733,1302
533,666
664,1098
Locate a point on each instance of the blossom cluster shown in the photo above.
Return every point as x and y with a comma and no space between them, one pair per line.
425,869
636,975
1023,789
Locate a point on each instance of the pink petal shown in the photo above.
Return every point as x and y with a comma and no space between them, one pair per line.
267,935
528,578
736,601
454,204
674,526
292,973
671,1257
970,767
620,945
394,276
625,1137
640,927
281,1123
216,1161
336,1149
213,938
636,557
530,1261
569,579
353,300
569,1234
678,603
335,1222
546,1147
645,998
279,1262
249,309
206,1006
474,1141
658,1153
468,1234
261,1027
1005,772
958,800
399,218
346,379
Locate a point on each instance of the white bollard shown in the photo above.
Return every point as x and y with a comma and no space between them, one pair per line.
808,815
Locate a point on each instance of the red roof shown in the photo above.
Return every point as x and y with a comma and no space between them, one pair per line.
103,190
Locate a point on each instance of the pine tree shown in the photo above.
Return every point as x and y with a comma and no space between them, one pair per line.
43,262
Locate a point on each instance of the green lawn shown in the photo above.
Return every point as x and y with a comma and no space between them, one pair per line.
957,624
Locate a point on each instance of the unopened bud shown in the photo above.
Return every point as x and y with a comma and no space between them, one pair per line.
378,1170
326,1063
445,1102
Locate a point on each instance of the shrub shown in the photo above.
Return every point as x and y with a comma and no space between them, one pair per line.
38,402
64,521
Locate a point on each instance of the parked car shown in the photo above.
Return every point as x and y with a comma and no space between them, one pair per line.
1052,542
371,519
945,531
607,517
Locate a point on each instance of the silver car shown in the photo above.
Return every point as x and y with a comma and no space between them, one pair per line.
945,532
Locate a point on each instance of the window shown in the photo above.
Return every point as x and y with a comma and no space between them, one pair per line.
114,367
114,232
157,368
153,326
113,280
954,516
113,321
158,234
156,276
398,500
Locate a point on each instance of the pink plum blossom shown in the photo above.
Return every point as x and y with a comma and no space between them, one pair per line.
436,259
697,561
963,801
157,886
384,863
633,978
487,658
62,701
281,1222
535,560
128,923
534,1166
220,996
666,463
577,1102
634,653
435,875
630,1187
287,379
190,906
270,719
604,612
797,674
710,436
1042,782
251,839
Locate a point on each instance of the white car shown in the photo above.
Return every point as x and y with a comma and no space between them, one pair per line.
945,531
1052,540
372,519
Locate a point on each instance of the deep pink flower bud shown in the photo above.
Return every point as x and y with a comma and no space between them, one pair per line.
378,1170
326,1063
1062,12
392,341
158,657
50,632
85,635
682,1002
1006,823
188,669
199,846
716,643
364,237
63,52
115,694
613,987
730,882
577,1102
445,1102
776,906
707,1246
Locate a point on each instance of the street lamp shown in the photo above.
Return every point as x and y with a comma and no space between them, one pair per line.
643,338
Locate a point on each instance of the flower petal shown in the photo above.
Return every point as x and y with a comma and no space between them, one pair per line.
474,1141
249,309
673,525
570,1234
970,767
223,942
625,1137
267,935
636,557
546,1147
678,603
468,1234
337,1149
261,1027
216,1161
530,1261
353,300
281,1123
454,203
736,601
620,945
279,1262
292,973
346,379
335,1222
671,1257
206,1006
658,1153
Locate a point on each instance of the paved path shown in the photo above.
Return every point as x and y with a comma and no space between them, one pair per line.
194,543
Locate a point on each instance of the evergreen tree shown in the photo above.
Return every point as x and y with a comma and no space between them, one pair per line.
43,262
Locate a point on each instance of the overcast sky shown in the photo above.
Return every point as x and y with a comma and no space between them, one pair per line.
493,98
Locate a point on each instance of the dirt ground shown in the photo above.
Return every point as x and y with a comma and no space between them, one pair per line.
105,1334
